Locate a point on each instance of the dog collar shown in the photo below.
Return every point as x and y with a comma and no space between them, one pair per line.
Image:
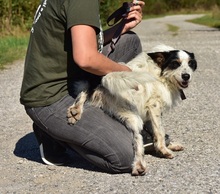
182,95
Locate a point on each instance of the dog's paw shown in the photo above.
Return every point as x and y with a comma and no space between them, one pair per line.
74,114
175,146
139,168
165,153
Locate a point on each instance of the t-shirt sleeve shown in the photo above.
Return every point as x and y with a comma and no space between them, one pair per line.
82,12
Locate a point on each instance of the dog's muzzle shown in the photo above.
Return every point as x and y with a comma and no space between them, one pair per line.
185,80
185,76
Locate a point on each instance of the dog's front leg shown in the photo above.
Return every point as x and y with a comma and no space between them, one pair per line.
134,122
75,111
155,112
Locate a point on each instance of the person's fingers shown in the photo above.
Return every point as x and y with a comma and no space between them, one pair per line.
140,3
134,15
137,6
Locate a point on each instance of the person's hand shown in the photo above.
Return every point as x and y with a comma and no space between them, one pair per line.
134,16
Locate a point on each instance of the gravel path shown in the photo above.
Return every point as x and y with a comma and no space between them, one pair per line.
195,123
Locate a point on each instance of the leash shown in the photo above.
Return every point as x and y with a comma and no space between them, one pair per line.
114,18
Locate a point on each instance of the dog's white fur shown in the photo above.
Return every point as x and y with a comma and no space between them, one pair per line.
139,96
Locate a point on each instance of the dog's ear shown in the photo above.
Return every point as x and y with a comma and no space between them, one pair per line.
190,54
192,62
158,57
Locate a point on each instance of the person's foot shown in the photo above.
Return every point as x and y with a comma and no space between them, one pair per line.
52,152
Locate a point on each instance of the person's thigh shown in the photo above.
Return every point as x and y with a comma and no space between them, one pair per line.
97,137
127,47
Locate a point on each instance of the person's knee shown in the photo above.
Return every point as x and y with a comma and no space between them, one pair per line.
129,46
124,162
132,38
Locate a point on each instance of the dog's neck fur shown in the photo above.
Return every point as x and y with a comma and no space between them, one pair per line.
176,92
171,85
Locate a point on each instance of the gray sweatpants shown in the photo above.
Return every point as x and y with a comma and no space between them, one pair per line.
97,137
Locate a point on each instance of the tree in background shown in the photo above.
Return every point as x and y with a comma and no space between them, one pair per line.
108,7
18,14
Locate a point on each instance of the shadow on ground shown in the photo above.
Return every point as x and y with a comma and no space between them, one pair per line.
27,147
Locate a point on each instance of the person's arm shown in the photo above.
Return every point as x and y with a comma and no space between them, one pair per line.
133,18
85,52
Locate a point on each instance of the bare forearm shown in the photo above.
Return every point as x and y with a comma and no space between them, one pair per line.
98,64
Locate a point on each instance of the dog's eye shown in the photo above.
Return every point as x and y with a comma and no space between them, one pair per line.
174,65
193,64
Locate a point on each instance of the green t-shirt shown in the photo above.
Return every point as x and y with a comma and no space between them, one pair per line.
49,64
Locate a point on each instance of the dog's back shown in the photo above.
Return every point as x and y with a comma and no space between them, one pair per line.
137,88
144,63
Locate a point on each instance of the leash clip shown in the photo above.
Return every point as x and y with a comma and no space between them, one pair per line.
182,95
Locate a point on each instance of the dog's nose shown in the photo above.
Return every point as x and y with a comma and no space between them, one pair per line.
185,76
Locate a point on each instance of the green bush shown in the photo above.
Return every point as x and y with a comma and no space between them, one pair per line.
155,7
108,7
18,14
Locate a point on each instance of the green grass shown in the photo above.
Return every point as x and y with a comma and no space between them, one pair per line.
12,48
208,20
173,29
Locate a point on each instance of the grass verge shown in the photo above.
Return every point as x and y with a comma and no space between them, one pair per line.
208,20
173,29
12,48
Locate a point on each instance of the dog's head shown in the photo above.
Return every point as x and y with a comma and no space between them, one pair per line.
176,65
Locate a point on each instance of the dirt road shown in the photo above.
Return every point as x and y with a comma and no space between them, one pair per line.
195,123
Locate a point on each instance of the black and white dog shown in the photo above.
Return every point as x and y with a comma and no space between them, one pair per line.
156,83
